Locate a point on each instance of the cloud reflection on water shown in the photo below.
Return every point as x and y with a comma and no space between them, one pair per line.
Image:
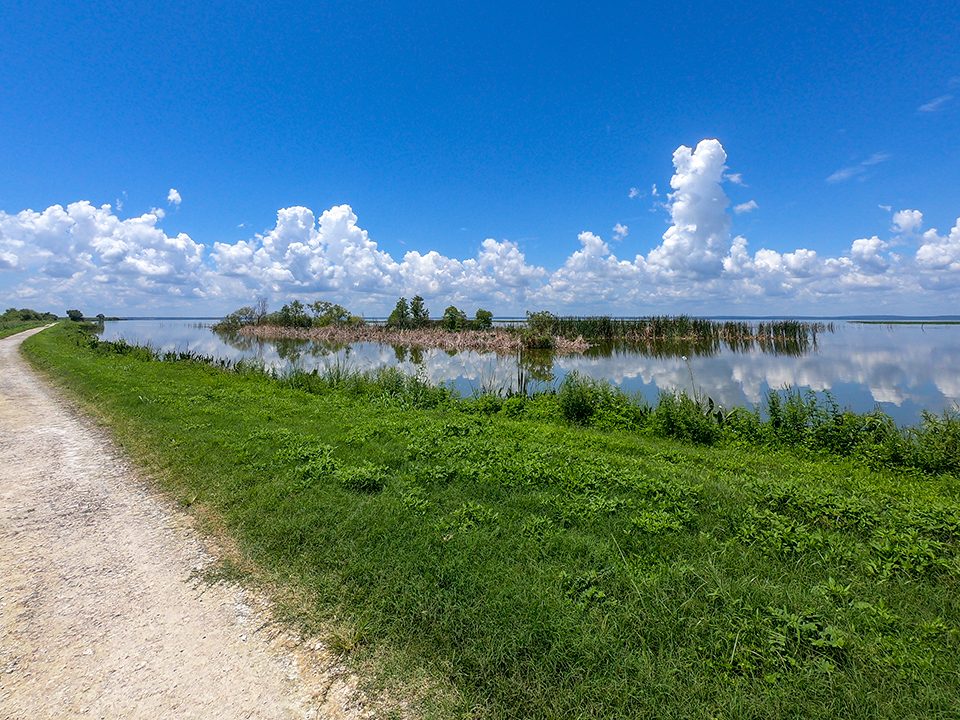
903,368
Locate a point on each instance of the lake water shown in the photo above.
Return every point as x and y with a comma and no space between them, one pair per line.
902,368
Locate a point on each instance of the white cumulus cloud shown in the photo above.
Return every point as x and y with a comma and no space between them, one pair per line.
941,253
906,222
696,242
86,251
8,261
173,197
85,255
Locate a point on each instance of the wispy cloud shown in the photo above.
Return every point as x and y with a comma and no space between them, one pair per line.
746,207
634,193
735,178
936,104
852,171
876,159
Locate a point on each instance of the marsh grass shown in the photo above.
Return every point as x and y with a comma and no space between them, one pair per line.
535,561
658,335
681,334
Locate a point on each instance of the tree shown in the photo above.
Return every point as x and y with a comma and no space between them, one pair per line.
539,331
454,319
419,315
260,310
75,315
400,317
483,319
541,323
327,313
235,320
293,315
244,315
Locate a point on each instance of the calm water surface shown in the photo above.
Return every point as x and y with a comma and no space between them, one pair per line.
902,368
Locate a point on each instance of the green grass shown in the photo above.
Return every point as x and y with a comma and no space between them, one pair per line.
535,568
12,327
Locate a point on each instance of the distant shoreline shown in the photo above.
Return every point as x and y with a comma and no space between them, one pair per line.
905,322
858,319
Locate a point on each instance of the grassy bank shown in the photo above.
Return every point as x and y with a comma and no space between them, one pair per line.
555,557
13,327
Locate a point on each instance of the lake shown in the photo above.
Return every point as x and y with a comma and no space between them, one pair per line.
902,368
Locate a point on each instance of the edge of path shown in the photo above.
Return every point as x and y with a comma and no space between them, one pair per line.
334,688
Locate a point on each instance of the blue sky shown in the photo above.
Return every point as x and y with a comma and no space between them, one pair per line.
486,153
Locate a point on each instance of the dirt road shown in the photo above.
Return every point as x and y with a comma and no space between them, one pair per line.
99,614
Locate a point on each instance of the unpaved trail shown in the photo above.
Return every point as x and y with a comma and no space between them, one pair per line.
99,614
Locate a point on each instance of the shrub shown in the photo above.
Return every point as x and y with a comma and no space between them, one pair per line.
679,416
580,397
328,313
294,314
483,320
936,443
541,323
12,315
533,341
486,403
584,401
400,315
453,319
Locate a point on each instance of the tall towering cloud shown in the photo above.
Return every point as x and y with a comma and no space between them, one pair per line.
698,239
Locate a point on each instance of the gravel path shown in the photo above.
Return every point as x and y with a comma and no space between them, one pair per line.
99,613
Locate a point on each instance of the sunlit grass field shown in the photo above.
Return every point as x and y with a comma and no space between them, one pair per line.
533,567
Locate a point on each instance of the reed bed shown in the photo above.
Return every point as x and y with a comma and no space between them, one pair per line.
683,327
658,335
779,336
500,340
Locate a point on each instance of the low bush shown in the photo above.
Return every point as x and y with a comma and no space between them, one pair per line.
584,401
681,417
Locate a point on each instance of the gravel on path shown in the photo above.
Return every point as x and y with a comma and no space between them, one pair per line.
101,611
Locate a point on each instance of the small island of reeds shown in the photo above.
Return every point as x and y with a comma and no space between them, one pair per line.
410,325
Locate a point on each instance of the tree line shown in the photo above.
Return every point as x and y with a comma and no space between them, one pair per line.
12,315
414,314
322,313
